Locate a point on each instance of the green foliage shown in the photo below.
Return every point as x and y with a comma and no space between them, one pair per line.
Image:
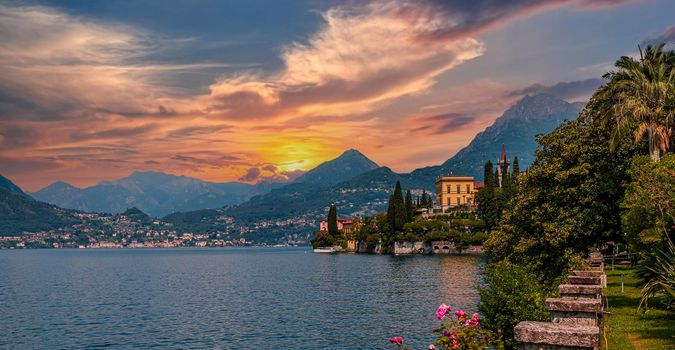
425,201
421,227
396,212
657,275
19,213
640,99
649,211
510,294
409,208
323,239
332,221
567,202
492,200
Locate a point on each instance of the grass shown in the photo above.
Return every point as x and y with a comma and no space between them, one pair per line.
628,328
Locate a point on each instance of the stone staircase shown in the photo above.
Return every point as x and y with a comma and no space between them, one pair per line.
576,316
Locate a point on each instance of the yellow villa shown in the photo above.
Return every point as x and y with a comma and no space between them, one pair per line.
453,191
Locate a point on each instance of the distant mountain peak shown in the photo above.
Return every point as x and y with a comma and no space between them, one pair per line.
61,185
348,165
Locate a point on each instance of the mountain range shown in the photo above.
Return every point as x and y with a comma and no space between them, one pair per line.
352,181
367,192
155,193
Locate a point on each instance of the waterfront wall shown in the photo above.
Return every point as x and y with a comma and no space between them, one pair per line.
433,247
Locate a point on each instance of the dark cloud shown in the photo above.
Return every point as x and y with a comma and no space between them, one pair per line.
252,174
270,167
151,162
666,37
116,133
442,123
198,130
570,91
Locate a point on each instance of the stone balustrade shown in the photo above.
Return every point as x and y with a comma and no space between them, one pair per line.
576,316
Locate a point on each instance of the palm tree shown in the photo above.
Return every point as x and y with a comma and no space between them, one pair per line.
640,96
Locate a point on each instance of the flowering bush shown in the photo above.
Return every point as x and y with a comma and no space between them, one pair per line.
461,332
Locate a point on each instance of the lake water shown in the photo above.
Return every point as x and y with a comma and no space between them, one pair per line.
231,298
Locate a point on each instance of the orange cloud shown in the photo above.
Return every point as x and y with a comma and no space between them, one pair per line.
83,101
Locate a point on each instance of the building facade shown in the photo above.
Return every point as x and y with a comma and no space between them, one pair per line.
454,191
347,226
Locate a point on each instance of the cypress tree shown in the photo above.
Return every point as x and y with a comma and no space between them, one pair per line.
409,209
516,167
390,213
487,173
396,215
332,221
505,176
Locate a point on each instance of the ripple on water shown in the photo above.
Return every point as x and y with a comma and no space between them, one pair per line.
225,298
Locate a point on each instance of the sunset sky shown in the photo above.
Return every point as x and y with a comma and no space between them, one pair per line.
250,90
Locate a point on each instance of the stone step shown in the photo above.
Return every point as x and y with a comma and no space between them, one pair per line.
592,273
584,280
581,312
580,291
552,334
574,305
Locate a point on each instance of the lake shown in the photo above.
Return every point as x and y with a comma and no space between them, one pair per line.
229,298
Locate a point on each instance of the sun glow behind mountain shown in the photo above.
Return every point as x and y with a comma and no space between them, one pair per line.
264,90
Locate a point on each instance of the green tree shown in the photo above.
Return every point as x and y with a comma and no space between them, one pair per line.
487,173
332,221
488,204
509,295
409,208
396,213
640,99
648,216
567,202
516,168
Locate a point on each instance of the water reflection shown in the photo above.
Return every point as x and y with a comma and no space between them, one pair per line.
225,298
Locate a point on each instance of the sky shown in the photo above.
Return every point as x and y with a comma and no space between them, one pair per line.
263,90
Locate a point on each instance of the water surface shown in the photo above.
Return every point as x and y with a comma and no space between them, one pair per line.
231,298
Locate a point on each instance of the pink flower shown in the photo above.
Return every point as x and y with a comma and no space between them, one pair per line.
460,313
396,340
471,322
475,316
442,310
432,347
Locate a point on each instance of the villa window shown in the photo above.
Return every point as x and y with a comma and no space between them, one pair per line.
458,189
458,201
468,188
449,201
449,189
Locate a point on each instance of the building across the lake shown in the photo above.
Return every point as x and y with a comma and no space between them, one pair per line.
455,191
347,226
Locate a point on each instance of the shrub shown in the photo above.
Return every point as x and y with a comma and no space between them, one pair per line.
323,239
460,331
510,294
657,274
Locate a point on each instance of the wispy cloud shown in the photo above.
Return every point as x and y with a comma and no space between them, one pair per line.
84,99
